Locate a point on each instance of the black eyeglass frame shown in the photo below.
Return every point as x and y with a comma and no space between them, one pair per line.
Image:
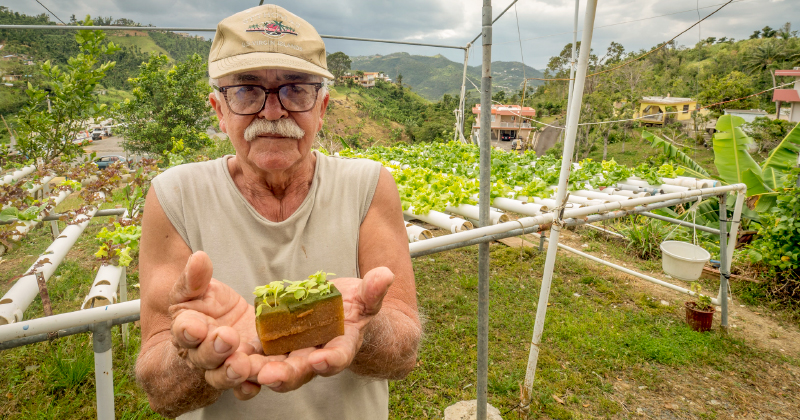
276,90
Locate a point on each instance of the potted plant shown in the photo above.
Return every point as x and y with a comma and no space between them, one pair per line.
292,315
699,312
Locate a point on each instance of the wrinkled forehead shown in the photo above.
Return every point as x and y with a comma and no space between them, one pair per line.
270,77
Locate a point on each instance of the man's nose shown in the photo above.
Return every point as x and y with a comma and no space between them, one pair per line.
273,110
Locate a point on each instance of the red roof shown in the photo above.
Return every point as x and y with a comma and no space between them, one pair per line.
785,95
795,73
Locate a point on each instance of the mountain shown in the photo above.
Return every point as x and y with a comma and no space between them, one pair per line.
432,77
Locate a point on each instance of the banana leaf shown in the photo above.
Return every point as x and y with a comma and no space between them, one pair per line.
755,184
731,156
674,153
782,159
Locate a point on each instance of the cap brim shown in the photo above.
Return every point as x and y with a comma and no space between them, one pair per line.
263,60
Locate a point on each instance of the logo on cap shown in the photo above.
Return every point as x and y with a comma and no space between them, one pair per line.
275,29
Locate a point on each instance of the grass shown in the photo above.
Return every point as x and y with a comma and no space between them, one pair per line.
145,43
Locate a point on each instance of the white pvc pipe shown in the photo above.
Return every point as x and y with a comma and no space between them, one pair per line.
18,174
584,201
544,202
597,195
104,287
20,296
516,206
27,225
441,220
637,182
470,211
41,184
417,233
672,188
63,321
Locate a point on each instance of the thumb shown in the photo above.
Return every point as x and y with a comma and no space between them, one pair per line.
194,279
374,287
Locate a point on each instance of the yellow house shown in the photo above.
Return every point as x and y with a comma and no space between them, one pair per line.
656,109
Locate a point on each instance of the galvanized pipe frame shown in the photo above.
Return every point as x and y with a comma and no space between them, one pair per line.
24,341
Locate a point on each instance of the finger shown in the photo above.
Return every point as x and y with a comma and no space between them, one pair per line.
233,372
246,390
194,279
289,374
215,348
336,356
374,287
189,328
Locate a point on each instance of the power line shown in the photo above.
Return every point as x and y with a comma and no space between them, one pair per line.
645,54
54,15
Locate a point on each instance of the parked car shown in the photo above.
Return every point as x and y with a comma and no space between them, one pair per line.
105,161
505,137
97,133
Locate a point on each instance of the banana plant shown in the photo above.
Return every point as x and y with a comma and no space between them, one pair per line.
734,163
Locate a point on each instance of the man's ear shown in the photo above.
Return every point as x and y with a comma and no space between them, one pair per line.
219,109
323,109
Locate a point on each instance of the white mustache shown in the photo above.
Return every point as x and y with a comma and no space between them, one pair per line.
283,127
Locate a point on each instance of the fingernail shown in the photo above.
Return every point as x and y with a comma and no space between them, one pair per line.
220,346
247,389
189,337
321,366
232,374
275,384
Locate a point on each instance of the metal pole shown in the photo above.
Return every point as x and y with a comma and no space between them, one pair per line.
485,191
103,370
38,338
462,102
724,266
561,195
493,21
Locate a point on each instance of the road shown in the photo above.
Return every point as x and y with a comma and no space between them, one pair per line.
107,146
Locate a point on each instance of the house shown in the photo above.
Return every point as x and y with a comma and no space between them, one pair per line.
749,115
654,110
368,79
11,78
790,96
508,121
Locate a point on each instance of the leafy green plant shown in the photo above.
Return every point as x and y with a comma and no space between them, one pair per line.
644,236
116,245
316,283
702,302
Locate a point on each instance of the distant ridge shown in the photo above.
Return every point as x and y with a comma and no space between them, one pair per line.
434,76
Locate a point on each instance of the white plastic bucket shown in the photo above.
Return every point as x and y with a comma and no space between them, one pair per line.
683,260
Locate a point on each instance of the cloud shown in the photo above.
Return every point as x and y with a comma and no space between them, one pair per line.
545,26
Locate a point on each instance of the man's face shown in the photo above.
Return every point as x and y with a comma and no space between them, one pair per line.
262,148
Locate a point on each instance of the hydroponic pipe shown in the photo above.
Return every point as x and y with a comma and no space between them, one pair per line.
104,288
18,174
53,323
417,233
516,206
20,296
58,216
473,212
27,225
441,220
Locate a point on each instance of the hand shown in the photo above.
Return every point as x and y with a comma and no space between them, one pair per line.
213,328
362,300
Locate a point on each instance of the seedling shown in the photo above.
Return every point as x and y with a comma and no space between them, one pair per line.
703,302
316,283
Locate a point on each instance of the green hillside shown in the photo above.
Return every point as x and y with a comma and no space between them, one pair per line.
433,77
144,43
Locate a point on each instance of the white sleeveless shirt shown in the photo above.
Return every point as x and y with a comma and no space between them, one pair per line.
247,250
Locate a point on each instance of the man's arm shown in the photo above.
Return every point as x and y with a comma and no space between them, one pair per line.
391,339
175,383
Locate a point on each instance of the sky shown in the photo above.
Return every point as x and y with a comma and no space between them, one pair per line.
542,27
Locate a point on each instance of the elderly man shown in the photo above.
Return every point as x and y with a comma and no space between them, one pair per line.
276,210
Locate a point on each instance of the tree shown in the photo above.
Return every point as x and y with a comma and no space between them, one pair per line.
767,56
338,64
170,104
768,32
732,86
61,107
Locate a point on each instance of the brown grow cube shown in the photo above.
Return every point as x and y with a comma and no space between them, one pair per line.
293,324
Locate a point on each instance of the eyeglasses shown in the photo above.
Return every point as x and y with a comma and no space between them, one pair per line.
251,99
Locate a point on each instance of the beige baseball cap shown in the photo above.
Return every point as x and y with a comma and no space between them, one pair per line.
266,37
